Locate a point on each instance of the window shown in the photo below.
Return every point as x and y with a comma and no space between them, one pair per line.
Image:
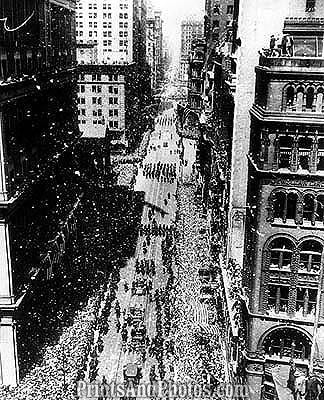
278,298
82,100
281,254
285,147
309,208
116,124
306,301
116,90
285,206
310,96
83,111
229,10
116,113
115,100
290,93
82,88
287,342
94,88
310,256
94,100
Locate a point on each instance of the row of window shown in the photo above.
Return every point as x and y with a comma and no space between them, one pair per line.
105,24
111,124
294,153
293,206
106,6
104,16
98,112
301,99
279,297
98,77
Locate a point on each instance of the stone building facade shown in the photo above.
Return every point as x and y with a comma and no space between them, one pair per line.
283,262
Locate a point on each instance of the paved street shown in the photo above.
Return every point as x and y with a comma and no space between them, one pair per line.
131,333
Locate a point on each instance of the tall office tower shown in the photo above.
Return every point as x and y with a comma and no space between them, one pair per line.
154,49
114,77
276,236
190,30
38,129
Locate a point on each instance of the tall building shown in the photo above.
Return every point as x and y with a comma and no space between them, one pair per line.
190,30
38,133
154,47
195,75
275,249
110,26
114,80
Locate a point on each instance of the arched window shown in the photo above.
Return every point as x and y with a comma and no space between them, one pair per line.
319,100
310,96
290,96
281,250
320,165
309,208
300,99
291,205
279,205
310,256
287,342
320,208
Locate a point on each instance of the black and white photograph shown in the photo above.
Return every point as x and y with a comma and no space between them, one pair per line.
161,199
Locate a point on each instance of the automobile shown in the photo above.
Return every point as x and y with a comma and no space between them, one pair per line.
136,314
206,293
132,373
138,334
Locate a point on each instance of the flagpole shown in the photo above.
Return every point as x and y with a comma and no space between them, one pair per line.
317,317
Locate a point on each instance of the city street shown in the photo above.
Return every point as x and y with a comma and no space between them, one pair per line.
131,338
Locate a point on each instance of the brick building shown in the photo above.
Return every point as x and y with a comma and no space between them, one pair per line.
277,236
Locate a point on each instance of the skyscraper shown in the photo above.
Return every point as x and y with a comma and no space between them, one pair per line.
190,30
276,237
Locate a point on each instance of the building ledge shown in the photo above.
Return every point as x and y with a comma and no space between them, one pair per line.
286,172
286,117
292,64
